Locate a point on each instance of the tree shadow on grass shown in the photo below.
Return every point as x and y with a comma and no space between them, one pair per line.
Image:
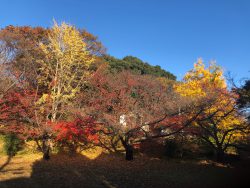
113,171
6,163
61,171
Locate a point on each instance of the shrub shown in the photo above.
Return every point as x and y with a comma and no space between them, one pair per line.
12,144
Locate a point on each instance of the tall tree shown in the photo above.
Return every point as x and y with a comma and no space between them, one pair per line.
20,46
63,70
59,62
220,124
65,67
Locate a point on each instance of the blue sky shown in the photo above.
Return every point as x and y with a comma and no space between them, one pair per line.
169,33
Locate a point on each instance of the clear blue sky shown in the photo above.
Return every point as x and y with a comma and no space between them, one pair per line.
170,33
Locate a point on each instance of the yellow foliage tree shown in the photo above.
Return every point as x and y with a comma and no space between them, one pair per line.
62,71
201,80
65,67
220,124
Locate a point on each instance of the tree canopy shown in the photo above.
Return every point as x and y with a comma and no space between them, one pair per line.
136,65
60,88
220,124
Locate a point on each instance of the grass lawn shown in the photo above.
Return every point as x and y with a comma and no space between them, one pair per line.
29,170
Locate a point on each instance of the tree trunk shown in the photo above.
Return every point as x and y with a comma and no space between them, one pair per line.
129,152
39,148
220,155
45,148
128,149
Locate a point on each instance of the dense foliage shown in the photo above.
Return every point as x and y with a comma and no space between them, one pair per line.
12,144
136,65
220,124
58,88
244,97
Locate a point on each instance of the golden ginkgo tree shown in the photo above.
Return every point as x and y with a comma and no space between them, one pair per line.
62,72
220,124
65,67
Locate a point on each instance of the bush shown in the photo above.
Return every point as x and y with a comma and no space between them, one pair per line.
12,144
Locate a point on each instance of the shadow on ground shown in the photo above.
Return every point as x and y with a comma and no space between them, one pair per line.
64,171
5,163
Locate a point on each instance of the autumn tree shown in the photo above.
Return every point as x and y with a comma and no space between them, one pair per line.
93,45
220,124
6,83
17,105
48,68
17,113
62,72
130,107
10,93
20,45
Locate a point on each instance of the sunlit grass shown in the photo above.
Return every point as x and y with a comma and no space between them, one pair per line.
19,166
92,153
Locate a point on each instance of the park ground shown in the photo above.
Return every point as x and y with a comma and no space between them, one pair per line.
98,169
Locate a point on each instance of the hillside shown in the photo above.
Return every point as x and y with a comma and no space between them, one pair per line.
137,66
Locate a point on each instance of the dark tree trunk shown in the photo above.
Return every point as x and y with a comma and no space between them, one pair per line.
129,152
72,149
220,155
39,148
46,155
128,149
45,148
